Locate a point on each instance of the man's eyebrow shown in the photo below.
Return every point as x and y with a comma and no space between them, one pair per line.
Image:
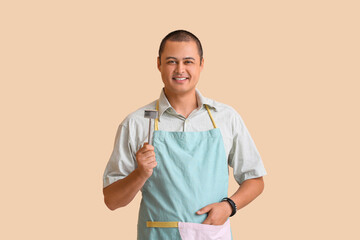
183,58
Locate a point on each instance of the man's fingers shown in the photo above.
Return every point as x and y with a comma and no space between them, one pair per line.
147,147
204,210
147,154
142,152
153,164
207,221
149,162
142,156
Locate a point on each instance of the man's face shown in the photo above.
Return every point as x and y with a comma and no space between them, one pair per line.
180,67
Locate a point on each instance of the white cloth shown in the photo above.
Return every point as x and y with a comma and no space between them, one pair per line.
132,133
197,231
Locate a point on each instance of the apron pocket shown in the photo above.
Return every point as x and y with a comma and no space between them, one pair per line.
197,231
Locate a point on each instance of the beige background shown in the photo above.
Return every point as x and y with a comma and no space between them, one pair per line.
72,70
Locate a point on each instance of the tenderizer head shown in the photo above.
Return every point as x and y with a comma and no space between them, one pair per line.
152,114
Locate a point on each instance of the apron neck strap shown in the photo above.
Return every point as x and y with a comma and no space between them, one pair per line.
157,119
212,120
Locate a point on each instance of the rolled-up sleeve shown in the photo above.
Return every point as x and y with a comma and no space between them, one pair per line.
122,160
244,157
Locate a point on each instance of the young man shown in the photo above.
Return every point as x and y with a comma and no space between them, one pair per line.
183,175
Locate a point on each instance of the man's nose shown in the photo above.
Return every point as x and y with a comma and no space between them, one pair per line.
180,67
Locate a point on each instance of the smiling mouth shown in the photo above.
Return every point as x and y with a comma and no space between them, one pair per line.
180,79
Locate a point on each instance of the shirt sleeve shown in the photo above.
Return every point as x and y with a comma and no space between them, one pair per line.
123,158
244,157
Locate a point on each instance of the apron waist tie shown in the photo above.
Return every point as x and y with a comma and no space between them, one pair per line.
162,224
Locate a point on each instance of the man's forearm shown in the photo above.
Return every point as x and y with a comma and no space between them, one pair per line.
248,191
123,191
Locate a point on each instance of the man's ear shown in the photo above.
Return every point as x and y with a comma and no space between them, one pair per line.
202,64
158,63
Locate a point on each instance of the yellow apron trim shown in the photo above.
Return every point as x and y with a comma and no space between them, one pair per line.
162,224
207,108
157,119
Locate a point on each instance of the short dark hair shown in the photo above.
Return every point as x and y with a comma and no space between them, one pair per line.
181,36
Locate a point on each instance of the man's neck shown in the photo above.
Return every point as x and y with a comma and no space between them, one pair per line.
183,104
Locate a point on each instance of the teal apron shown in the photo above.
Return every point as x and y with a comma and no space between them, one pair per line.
191,172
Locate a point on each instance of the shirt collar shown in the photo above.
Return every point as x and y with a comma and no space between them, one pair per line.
164,104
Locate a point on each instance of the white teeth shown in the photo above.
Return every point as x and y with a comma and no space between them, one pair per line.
180,79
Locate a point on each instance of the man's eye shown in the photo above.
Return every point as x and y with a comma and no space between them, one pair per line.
188,62
171,62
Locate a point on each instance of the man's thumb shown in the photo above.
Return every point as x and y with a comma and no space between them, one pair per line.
203,210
